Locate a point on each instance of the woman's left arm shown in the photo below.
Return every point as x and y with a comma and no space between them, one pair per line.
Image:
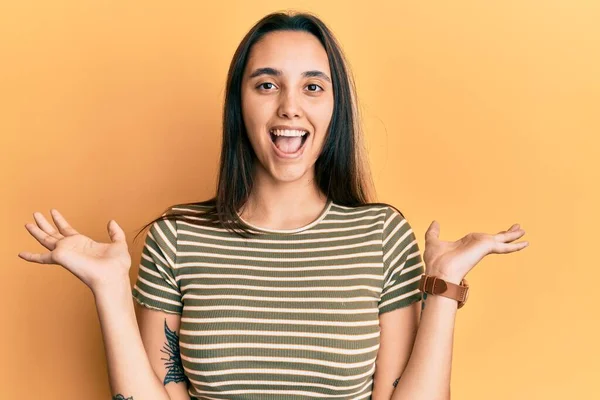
426,374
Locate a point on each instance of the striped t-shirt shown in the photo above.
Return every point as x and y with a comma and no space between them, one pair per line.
288,314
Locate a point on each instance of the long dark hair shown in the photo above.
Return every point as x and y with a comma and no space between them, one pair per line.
341,171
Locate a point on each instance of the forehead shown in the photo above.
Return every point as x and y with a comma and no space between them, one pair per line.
290,51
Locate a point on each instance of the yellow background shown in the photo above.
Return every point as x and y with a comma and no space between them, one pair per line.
478,114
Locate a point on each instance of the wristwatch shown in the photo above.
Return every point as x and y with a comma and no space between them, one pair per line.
437,286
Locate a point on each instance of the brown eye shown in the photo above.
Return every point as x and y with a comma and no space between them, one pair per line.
313,87
262,85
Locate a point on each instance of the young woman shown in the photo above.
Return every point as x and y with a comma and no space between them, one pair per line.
289,283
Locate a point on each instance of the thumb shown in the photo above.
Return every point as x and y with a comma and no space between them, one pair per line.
433,232
115,232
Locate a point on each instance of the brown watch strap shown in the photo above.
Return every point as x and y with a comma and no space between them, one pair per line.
437,286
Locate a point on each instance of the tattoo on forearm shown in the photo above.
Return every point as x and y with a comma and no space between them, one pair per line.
396,382
173,364
423,302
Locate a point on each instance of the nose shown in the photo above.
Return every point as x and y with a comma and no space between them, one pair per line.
289,106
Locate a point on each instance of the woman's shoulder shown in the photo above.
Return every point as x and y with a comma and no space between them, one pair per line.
384,210
198,207
196,213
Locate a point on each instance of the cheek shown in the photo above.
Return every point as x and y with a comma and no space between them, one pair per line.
256,111
256,116
252,115
322,118
247,113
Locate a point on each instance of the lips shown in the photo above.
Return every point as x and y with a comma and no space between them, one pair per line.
289,144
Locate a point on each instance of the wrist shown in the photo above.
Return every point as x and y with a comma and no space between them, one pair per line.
113,289
450,286
452,278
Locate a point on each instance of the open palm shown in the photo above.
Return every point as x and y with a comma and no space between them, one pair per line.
95,264
454,259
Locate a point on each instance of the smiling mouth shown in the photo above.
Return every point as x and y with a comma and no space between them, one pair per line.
289,142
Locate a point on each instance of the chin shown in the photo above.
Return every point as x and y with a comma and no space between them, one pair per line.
290,174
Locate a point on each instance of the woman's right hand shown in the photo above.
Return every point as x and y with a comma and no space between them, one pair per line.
98,265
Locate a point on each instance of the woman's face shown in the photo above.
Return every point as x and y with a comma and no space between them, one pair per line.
287,103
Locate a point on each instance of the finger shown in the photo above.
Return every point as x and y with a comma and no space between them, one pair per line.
115,232
37,258
501,248
44,224
509,236
514,227
62,224
42,237
433,232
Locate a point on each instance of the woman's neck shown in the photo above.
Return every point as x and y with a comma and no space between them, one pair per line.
283,205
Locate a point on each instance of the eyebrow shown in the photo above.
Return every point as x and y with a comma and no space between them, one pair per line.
276,72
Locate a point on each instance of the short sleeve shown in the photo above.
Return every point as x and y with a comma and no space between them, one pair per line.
402,264
156,286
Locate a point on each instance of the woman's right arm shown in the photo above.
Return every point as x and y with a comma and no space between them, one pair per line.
129,369
104,268
160,334
142,347
143,363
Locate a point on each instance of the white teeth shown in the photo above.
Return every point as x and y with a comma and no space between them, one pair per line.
281,132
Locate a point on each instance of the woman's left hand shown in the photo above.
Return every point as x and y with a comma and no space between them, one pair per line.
452,261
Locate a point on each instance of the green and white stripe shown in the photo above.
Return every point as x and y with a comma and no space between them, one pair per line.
286,314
